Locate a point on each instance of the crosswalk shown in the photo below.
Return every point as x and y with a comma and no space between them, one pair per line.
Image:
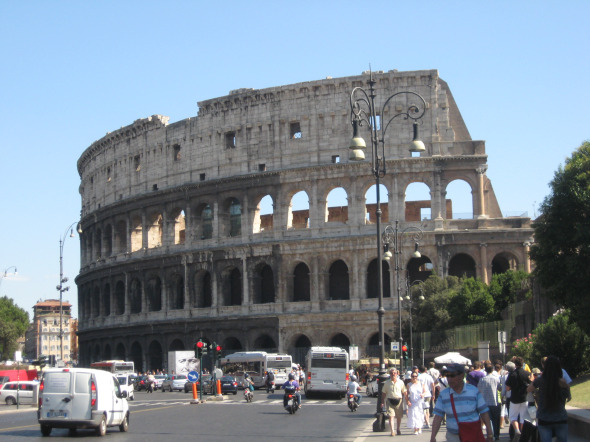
229,400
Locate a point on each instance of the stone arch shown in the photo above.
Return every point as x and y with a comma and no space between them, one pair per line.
335,211
155,230
373,279
155,356
231,218
179,218
459,197
154,294
176,345
202,290
371,204
204,221
119,298
462,265
136,355
108,240
340,340
96,355
298,214
120,351
107,353
373,347
301,283
419,269
231,286
266,343
503,262
136,234
263,215
301,346
120,240
135,296
97,245
231,345
176,292
96,302
418,202
263,284
106,300
339,284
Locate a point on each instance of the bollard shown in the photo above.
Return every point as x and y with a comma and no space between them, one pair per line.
195,395
218,387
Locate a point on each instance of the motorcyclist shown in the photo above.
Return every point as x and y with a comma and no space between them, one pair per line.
269,380
291,386
353,388
248,384
151,381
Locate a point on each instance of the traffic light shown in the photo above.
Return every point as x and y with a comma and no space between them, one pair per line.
217,350
404,352
199,349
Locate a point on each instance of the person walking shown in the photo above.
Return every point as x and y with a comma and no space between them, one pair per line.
489,387
416,393
517,384
425,378
393,395
554,392
460,399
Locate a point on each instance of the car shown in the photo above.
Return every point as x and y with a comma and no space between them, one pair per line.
206,379
9,392
139,383
174,382
126,383
373,386
229,384
160,378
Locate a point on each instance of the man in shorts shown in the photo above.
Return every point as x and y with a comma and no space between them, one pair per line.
394,395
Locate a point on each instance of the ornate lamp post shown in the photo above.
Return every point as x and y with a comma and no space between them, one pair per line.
409,299
62,280
393,239
5,273
363,111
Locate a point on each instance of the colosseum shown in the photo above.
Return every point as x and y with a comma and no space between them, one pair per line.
249,226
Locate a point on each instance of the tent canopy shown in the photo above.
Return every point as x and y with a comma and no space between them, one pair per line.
452,358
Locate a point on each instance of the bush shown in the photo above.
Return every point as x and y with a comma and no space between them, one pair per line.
524,348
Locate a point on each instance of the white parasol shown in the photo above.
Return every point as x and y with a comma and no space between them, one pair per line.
452,358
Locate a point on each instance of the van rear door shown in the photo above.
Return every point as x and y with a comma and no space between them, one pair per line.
81,406
57,395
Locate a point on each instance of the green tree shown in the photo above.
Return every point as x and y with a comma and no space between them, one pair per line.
13,323
561,251
562,337
472,303
509,287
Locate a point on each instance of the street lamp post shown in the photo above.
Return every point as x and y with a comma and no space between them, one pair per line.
393,238
363,111
409,299
62,280
5,273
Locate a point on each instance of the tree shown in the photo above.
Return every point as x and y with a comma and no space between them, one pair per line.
561,251
507,288
13,323
472,303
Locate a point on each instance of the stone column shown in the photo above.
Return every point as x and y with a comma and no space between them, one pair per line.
483,256
481,170
527,258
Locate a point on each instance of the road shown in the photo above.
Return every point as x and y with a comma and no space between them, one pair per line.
161,416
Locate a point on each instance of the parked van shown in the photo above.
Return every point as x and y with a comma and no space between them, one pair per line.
22,391
126,381
81,398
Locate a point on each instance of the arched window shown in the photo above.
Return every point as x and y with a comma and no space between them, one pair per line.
301,283
235,218
373,280
339,283
462,266
264,285
154,294
120,298
135,296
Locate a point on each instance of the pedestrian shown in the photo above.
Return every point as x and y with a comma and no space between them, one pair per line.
553,393
416,393
393,395
489,387
517,384
460,399
428,383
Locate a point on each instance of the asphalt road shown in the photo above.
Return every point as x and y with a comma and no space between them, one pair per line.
171,417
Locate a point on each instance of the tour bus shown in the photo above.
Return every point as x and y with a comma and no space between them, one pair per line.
256,363
327,371
114,367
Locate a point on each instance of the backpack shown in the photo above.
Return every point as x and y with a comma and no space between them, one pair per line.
271,376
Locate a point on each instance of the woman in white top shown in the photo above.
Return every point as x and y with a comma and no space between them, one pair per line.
416,393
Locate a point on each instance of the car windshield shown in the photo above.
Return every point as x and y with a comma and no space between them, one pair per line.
180,376
227,379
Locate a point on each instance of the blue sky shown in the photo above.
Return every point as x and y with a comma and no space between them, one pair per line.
73,71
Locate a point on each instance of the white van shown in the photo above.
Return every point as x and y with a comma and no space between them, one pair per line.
126,383
81,398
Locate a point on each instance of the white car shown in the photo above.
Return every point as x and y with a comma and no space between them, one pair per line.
160,378
126,384
174,382
373,386
9,392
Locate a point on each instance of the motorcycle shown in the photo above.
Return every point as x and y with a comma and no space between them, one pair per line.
150,387
248,395
292,405
270,387
352,403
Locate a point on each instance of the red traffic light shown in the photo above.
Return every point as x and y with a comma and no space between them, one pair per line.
218,348
404,348
200,344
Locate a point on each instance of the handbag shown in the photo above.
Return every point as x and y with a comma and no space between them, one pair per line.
394,402
468,431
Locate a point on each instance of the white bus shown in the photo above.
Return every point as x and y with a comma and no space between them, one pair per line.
115,367
327,371
256,363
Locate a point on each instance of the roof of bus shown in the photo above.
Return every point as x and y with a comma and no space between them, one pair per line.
330,349
252,354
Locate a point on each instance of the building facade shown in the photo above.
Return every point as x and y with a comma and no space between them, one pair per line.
248,225
42,337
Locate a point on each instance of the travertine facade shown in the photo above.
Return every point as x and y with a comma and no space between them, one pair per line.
177,244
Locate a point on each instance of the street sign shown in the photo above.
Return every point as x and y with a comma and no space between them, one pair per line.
394,346
193,376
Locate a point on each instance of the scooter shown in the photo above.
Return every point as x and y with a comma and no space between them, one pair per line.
270,387
352,403
248,395
150,387
292,405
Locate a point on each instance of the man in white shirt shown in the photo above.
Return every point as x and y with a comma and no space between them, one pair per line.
428,383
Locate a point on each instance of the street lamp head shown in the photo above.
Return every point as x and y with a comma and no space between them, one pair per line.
79,228
387,255
421,298
416,253
357,144
417,145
